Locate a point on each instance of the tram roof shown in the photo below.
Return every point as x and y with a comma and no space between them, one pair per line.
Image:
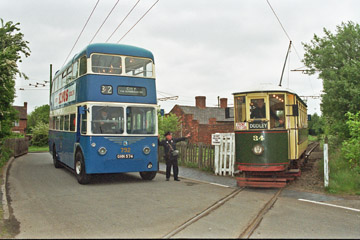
266,88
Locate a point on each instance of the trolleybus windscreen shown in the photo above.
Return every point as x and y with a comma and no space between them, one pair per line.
141,120
107,120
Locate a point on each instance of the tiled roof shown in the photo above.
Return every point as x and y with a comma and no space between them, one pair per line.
204,114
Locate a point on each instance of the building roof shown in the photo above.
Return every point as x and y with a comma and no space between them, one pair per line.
204,114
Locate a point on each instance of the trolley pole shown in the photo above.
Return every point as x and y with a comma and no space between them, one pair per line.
326,163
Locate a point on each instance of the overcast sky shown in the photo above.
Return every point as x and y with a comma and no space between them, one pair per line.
201,47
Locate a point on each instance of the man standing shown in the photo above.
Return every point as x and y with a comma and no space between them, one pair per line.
171,154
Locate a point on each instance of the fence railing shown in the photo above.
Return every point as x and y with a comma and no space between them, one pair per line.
18,146
195,155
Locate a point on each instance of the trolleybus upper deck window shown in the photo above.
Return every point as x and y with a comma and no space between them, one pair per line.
139,67
106,64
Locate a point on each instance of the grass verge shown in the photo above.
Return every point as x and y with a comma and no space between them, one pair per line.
342,179
38,149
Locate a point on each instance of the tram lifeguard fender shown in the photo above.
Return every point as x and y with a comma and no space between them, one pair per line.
262,168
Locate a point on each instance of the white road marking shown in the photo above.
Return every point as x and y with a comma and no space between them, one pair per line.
330,205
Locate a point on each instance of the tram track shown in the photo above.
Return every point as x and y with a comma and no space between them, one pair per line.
254,223
202,214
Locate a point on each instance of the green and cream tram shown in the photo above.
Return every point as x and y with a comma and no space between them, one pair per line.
270,135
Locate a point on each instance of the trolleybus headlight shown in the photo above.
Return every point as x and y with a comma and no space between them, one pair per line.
258,149
102,151
146,150
149,165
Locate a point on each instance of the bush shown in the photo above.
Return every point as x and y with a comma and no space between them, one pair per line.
40,134
351,147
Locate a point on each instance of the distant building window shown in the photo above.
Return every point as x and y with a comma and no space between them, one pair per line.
16,123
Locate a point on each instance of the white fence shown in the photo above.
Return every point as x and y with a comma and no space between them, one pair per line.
224,153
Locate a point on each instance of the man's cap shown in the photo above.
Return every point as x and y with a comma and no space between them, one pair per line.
167,133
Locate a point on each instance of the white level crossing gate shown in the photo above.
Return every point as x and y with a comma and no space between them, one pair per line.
224,153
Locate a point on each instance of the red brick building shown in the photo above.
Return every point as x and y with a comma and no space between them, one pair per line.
21,125
201,121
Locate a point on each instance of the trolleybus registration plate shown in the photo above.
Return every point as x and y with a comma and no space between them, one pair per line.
125,156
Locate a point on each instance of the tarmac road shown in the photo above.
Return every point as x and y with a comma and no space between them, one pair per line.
49,203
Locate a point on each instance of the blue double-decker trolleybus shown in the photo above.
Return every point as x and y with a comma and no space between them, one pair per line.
103,112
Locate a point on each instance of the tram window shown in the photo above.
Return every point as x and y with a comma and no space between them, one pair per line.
66,123
277,111
138,67
72,122
141,120
240,109
257,108
107,120
106,64
83,66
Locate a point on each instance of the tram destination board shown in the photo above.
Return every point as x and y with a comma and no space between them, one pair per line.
258,125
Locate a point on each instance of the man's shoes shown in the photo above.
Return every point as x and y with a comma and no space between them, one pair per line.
176,179
167,179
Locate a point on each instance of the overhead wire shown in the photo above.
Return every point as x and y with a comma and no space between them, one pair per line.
283,28
272,9
87,21
123,20
139,20
104,20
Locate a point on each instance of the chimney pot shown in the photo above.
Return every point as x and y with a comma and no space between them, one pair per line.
223,102
200,101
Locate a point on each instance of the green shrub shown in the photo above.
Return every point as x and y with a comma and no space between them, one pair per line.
351,147
40,134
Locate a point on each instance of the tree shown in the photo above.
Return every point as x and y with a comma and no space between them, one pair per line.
336,57
316,125
11,45
40,114
167,123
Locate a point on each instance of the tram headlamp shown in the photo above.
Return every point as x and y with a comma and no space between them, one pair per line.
258,149
149,165
102,151
146,150
153,144
93,144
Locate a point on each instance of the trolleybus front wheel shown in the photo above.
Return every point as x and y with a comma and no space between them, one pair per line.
56,162
80,173
148,175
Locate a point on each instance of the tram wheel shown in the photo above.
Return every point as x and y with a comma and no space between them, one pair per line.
147,175
80,173
56,162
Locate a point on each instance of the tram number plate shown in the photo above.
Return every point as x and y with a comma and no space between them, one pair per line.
125,156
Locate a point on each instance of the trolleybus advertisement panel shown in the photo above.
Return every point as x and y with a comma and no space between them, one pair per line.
64,96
